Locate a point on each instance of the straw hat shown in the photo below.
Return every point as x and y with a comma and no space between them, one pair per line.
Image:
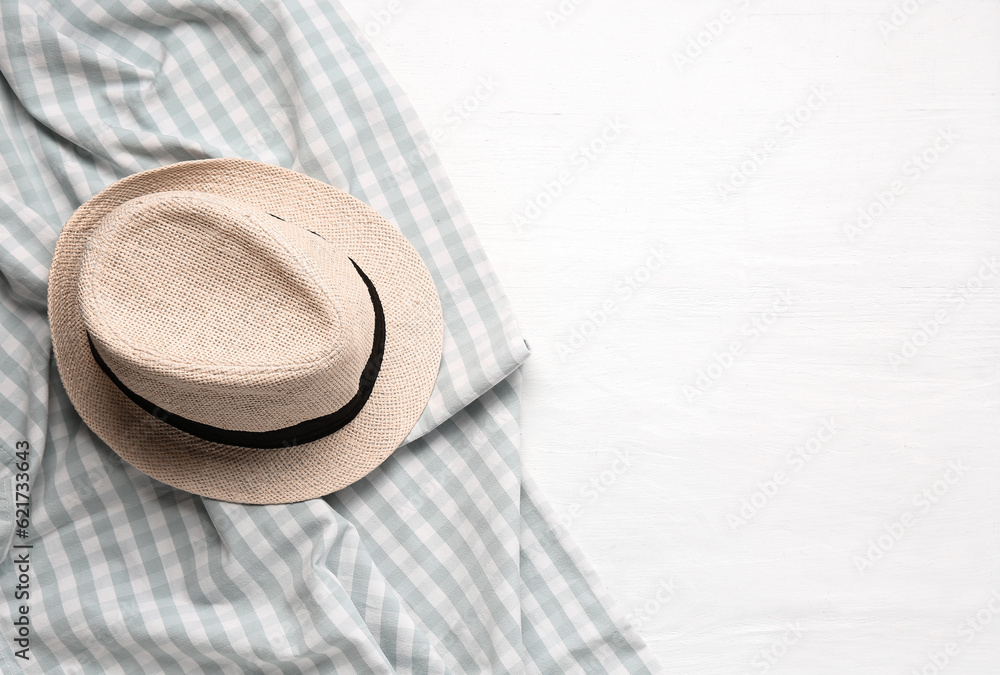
243,331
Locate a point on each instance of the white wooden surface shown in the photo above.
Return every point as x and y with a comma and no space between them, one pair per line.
688,338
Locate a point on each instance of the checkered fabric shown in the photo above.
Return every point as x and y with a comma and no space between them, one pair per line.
445,559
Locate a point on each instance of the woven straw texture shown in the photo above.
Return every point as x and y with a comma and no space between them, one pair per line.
207,291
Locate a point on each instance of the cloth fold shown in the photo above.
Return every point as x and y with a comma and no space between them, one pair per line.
445,559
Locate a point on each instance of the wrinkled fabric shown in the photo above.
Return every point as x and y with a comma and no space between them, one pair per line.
445,559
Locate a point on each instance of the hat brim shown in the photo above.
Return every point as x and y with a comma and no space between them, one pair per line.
411,361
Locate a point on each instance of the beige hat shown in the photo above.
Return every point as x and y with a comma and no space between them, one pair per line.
243,331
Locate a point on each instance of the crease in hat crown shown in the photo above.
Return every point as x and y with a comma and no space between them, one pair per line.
223,313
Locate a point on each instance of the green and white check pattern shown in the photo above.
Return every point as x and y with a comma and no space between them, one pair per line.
445,559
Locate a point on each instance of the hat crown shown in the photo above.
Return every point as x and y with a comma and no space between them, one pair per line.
223,313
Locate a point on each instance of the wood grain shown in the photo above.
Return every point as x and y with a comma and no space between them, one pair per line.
784,227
